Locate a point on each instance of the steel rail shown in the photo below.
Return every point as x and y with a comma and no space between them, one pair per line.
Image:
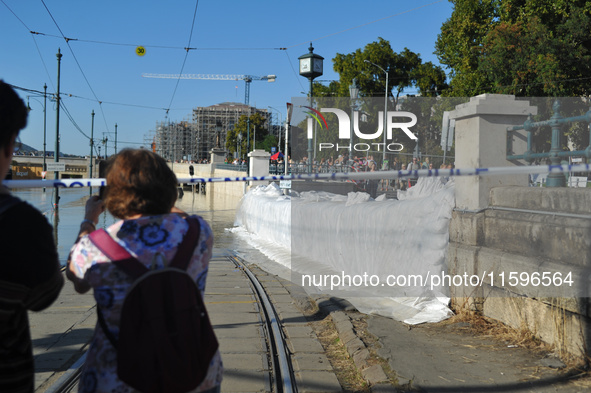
286,378
69,379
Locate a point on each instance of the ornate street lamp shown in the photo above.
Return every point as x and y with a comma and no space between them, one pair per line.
354,94
385,108
311,66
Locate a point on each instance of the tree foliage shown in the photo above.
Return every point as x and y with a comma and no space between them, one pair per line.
257,128
533,48
525,48
405,70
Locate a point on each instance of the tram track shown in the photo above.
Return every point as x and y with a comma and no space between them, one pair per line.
280,368
283,374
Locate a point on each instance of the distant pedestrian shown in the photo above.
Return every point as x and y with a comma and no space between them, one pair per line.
141,191
30,276
372,184
402,183
413,166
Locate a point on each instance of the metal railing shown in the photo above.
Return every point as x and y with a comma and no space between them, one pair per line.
555,153
232,167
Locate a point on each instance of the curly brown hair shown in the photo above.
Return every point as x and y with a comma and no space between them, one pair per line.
139,182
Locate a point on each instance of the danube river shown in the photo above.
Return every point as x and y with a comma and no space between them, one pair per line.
218,211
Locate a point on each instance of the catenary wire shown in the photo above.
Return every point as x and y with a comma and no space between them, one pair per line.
77,63
185,59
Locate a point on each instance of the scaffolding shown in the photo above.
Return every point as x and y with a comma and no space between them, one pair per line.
192,141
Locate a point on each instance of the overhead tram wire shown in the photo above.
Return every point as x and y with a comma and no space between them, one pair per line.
152,46
34,41
78,64
187,49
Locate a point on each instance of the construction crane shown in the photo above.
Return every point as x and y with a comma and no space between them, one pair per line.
246,78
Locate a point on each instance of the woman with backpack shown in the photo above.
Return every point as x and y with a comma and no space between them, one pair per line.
152,235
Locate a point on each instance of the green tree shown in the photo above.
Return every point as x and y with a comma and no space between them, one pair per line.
258,128
535,48
526,48
405,70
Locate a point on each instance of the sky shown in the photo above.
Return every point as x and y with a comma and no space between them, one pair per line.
101,72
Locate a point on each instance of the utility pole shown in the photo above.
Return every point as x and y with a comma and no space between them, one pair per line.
115,138
56,153
44,126
91,145
105,141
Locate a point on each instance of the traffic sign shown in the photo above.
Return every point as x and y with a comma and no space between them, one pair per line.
56,167
43,173
140,51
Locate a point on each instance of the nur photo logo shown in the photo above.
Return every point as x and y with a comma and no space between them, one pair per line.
393,120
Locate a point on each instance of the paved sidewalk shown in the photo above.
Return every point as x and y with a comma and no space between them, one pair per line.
450,358
446,357
62,332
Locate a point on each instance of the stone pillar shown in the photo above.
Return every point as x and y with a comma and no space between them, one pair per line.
481,142
258,165
218,156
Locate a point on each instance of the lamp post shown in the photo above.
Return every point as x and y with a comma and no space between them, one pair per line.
239,150
44,124
354,94
105,141
385,108
287,121
311,66
91,145
56,153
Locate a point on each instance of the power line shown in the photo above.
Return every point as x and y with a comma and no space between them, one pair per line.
67,112
149,45
77,63
186,55
34,41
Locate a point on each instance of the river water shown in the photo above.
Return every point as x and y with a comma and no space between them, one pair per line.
218,210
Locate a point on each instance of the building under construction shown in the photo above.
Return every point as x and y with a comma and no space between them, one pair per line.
193,140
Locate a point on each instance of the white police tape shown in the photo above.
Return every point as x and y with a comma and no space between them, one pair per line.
509,170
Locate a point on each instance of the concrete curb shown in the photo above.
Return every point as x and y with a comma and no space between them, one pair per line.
336,307
357,350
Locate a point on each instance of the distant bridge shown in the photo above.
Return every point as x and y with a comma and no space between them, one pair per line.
31,167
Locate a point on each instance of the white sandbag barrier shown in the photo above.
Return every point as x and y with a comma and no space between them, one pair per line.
377,254
385,256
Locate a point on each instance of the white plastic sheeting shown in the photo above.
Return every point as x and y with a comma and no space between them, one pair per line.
330,242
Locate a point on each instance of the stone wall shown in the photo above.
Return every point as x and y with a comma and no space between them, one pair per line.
528,230
500,226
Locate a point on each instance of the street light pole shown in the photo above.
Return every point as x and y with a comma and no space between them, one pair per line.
354,94
287,121
56,153
311,66
44,127
91,145
385,109
44,167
